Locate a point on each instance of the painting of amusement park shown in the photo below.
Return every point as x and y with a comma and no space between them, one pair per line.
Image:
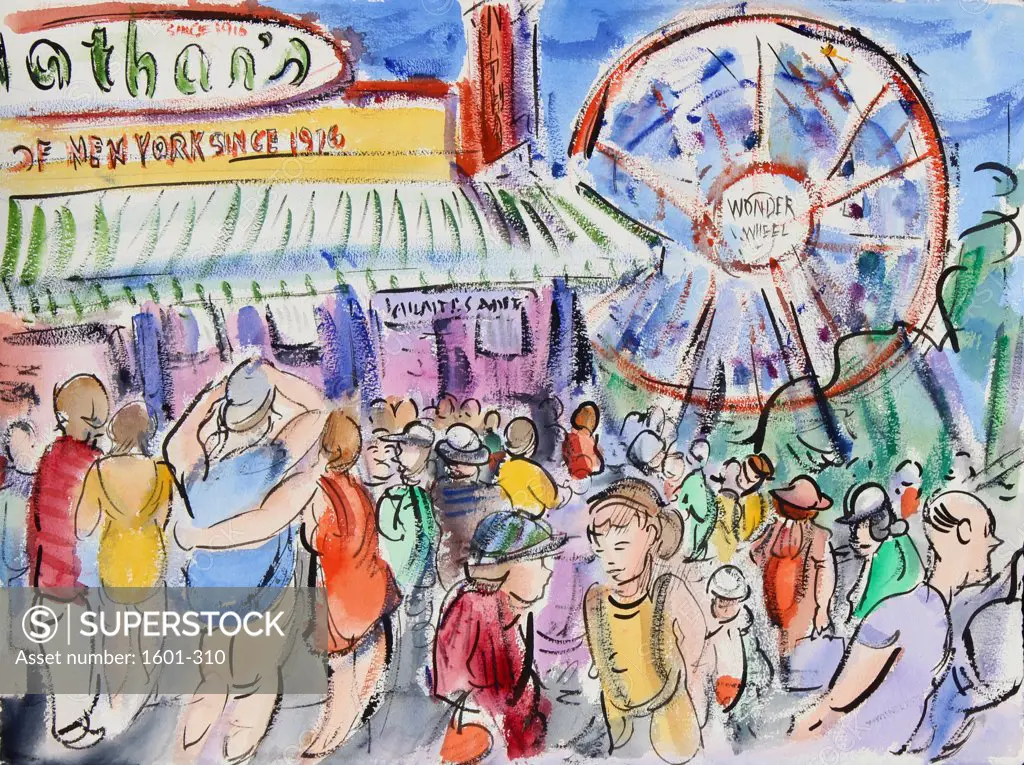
484,381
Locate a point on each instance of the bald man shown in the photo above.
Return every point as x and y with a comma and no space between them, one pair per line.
81,407
897,652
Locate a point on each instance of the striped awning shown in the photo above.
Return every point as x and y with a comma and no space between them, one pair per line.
65,255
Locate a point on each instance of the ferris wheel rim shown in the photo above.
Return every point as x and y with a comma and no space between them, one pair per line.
590,121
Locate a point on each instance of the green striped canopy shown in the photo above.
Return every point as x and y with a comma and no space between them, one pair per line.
69,254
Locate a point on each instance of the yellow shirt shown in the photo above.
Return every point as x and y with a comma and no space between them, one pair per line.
754,507
738,521
633,644
132,504
723,537
528,486
640,670
629,650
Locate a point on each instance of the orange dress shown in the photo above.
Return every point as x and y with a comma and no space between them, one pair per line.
361,588
792,558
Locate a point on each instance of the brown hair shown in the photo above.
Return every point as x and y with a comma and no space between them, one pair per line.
131,427
631,500
586,416
521,437
74,394
760,466
340,441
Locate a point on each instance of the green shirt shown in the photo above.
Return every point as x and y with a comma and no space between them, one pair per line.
409,533
896,568
699,511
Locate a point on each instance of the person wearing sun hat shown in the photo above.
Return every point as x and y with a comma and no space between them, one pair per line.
741,674
405,512
795,557
891,562
461,499
893,666
409,536
483,653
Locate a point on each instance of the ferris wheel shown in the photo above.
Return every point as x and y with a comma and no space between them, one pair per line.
800,178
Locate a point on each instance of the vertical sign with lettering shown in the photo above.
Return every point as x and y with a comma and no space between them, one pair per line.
496,80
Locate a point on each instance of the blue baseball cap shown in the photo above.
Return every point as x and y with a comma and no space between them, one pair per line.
506,536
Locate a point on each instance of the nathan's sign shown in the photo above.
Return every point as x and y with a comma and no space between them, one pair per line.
119,59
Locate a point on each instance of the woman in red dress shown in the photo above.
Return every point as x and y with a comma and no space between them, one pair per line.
361,589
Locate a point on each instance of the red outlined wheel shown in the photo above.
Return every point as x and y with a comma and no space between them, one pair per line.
800,176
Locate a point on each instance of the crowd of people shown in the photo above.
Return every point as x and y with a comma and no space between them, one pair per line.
466,550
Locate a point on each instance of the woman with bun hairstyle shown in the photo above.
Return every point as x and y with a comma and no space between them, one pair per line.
646,632
127,494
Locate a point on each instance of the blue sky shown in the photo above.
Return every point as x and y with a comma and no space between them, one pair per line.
966,48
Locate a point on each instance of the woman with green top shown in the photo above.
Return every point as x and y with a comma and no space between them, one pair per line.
892,565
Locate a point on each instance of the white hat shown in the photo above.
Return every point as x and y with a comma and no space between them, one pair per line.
728,583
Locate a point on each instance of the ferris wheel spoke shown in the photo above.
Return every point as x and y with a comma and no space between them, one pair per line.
813,98
688,310
775,309
851,136
832,82
796,294
808,287
692,353
624,318
673,327
760,116
625,288
833,198
823,272
723,142
690,202
668,113
805,113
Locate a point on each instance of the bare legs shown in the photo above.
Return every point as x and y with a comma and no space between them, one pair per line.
247,718
201,714
354,677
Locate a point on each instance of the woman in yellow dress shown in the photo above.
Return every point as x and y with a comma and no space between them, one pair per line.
646,632
128,494
741,506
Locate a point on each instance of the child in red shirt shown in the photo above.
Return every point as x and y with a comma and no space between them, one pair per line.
580,451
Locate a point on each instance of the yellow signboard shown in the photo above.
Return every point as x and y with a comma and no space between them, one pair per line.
347,144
